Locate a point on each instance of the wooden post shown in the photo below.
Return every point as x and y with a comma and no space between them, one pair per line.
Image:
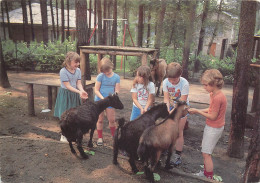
99,57
54,95
49,97
30,97
144,59
83,68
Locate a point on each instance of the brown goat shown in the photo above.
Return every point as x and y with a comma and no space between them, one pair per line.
161,137
158,72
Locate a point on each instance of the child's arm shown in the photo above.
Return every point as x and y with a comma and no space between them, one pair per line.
117,88
83,93
69,87
149,102
166,99
204,112
134,97
97,90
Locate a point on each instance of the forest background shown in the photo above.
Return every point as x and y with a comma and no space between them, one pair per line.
178,29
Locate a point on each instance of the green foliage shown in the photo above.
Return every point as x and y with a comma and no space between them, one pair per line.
133,64
225,66
93,63
171,55
36,56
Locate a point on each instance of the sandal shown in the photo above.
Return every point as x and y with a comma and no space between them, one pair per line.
100,142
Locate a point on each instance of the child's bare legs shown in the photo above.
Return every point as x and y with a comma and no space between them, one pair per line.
111,119
208,163
100,129
179,142
180,139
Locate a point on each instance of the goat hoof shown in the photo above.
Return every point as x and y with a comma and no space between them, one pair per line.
115,162
84,156
90,144
73,151
168,167
135,171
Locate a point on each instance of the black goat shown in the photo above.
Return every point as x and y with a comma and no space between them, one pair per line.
77,121
160,137
127,135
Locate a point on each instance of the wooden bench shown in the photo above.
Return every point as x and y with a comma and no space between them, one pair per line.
52,88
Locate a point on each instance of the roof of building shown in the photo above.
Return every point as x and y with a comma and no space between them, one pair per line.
16,16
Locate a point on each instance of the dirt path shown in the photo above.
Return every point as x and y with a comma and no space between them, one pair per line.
30,150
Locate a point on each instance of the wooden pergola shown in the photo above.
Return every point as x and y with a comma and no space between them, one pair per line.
112,50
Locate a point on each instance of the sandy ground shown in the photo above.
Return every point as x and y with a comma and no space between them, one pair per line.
30,150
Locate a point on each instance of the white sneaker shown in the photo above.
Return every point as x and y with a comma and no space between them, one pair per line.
100,142
63,139
200,174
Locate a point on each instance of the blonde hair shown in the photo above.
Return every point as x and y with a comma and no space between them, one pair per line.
173,70
70,57
145,72
212,77
106,64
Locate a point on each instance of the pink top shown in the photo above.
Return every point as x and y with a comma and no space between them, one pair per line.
218,103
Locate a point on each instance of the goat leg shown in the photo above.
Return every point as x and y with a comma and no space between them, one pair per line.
79,146
90,143
132,163
150,174
115,149
167,163
71,148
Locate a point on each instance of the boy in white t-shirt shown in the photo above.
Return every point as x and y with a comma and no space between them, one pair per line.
176,87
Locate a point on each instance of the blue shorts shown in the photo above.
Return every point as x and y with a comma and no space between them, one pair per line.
136,112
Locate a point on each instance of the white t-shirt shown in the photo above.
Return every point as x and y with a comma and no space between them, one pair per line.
143,93
176,91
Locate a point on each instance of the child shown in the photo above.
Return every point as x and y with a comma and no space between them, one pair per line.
176,87
71,91
215,117
107,83
143,91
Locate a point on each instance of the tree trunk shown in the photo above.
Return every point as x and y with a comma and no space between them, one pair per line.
31,17
202,29
214,34
2,10
4,82
62,21
252,168
159,29
43,4
57,16
8,20
105,23
95,21
25,22
82,30
52,20
68,19
148,26
114,30
140,25
188,38
109,25
240,87
99,11
89,19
